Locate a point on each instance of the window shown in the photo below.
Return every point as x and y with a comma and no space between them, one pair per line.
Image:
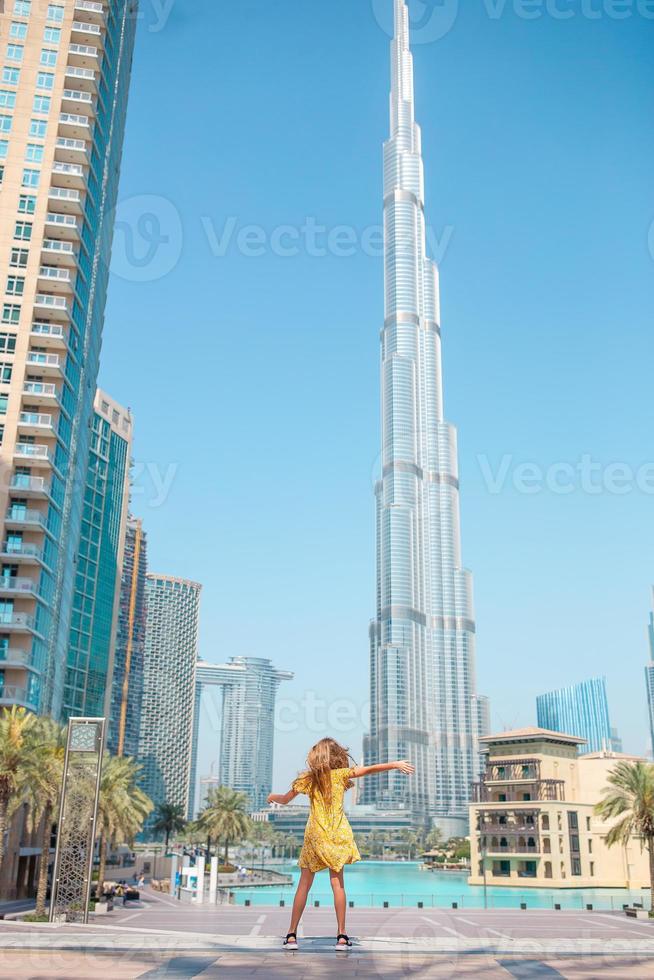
5,124
52,35
4,401
2,173
42,104
22,7
7,346
15,285
31,178
576,867
23,231
17,31
573,820
590,847
7,99
26,204
592,869
11,76
38,128
18,258
45,79
587,823
5,372
15,52
34,153
10,313
55,13
4,150
48,58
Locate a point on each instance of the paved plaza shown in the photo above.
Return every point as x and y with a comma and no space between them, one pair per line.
164,939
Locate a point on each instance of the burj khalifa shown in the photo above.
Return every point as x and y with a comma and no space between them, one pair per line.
424,705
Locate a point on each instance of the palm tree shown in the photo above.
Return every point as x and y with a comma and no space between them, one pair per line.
40,783
16,726
292,844
629,801
225,817
170,820
122,808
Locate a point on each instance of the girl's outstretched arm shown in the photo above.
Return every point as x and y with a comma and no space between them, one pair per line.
402,764
282,799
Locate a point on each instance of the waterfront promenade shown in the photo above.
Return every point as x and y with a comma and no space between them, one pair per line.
163,939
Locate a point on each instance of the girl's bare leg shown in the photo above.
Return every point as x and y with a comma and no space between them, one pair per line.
301,895
338,887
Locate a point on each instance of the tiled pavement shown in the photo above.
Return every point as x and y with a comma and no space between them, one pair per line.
164,939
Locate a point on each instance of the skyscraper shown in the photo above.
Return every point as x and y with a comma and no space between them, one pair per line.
422,640
94,617
127,682
171,653
581,710
649,675
63,98
247,729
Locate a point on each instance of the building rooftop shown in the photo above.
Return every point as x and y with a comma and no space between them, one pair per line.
532,735
625,756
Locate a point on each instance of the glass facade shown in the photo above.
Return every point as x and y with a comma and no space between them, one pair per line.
171,653
249,686
97,578
581,710
127,684
61,152
422,640
649,676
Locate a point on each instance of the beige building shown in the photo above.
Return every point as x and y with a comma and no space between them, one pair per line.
532,822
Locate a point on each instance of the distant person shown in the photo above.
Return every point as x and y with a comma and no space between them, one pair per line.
328,839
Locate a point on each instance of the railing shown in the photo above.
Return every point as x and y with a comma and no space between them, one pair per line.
8,692
75,72
513,770
44,360
68,168
84,49
54,218
39,388
510,849
72,119
46,299
507,829
35,418
543,789
48,330
96,8
21,481
68,143
82,25
15,583
20,515
54,245
19,620
22,549
54,272
77,96
32,451
9,655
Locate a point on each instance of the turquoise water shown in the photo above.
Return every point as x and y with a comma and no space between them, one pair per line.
371,883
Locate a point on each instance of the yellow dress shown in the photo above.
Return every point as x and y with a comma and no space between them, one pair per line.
328,839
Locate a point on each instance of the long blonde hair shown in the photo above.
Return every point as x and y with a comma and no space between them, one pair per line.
323,757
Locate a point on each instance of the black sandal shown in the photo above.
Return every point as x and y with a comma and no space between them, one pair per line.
348,941
291,943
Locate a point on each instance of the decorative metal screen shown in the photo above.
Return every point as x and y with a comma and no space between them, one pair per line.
77,818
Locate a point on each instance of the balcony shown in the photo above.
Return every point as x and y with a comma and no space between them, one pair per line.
84,79
31,487
33,423
74,126
511,847
29,554
57,306
17,623
59,252
92,11
49,334
535,791
46,364
15,585
19,516
56,278
9,694
83,55
87,29
35,454
41,393
71,150
514,770
74,99
68,175
10,657
63,225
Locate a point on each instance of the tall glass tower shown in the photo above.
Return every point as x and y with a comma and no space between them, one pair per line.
649,676
63,99
581,710
422,663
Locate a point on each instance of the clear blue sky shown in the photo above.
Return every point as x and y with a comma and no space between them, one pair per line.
256,377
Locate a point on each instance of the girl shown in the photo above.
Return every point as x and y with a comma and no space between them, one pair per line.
328,839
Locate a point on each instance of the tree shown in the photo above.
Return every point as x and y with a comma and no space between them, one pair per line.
435,841
40,784
16,726
122,808
225,817
629,802
292,844
170,820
